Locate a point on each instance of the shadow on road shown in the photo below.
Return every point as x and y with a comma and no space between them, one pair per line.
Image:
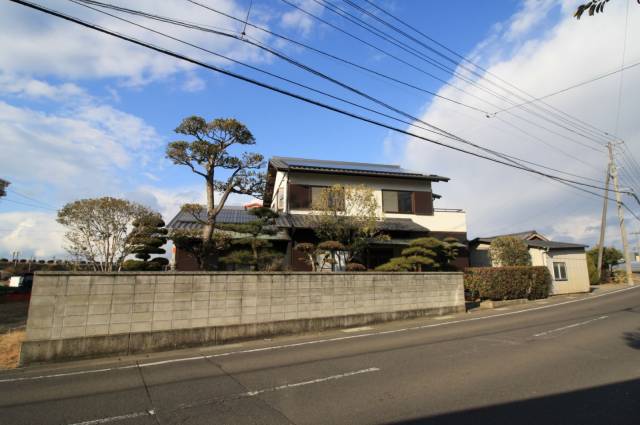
617,403
633,340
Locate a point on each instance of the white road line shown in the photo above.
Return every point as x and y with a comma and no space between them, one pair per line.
59,375
319,341
361,328
313,381
115,418
575,325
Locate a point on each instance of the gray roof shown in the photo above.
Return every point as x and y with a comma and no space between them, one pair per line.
231,214
357,168
535,243
305,221
554,245
238,215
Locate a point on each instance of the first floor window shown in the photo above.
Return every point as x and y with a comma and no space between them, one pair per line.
559,271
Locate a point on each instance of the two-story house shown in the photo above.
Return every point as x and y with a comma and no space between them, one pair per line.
405,206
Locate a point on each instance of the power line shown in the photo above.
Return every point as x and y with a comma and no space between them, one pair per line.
340,59
26,204
279,54
443,80
289,93
386,76
30,198
385,36
566,89
486,71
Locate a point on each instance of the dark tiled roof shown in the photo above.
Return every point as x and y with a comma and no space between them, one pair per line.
358,168
535,243
238,215
231,214
305,221
554,245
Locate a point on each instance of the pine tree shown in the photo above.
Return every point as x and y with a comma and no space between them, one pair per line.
424,254
258,252
148,236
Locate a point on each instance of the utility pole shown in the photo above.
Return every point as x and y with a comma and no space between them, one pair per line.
603,223
623,232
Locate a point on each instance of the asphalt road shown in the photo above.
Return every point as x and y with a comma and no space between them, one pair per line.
570,360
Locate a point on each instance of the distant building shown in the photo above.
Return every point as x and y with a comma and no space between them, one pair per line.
567,262
405,207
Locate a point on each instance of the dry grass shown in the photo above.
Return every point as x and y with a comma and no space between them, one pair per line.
10,348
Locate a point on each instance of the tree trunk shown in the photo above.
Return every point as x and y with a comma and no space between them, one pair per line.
207,235
208,229
254,250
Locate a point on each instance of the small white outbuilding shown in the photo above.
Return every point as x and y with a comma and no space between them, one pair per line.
567,262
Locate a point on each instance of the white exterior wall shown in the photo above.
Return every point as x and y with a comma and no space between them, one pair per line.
279,186
440,221
577,272
575,263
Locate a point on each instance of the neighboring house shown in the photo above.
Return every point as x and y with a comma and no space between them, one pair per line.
405,200
567,262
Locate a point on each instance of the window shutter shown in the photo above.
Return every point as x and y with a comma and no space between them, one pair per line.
423,203
299,197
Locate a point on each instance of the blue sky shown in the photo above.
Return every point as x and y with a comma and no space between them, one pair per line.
83,115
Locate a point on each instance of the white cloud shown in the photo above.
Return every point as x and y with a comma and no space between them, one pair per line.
193,83
39,45
36,89
297,20
30,233
545,57
531,14
78,151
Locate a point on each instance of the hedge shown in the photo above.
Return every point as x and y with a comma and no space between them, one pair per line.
508,283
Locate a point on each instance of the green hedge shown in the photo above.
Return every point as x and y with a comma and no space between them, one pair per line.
508,283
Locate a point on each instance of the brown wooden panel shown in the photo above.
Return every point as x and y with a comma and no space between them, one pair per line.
299,197
423,203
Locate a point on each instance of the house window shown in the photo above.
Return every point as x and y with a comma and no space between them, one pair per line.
304,197
394,201
559,271
404,202
299,197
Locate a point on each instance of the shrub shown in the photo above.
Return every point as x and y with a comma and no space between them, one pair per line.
508,283
424,254
619,277
592,268
509,251
356,267
134,265
162,261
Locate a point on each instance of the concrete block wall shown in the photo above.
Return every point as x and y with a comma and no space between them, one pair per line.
89,314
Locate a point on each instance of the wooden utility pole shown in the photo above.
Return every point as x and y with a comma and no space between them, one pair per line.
603,223
623,232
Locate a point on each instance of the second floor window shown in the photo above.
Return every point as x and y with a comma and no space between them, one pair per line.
397,201
405,202
304,197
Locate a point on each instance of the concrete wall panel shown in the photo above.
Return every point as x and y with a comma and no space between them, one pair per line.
93,314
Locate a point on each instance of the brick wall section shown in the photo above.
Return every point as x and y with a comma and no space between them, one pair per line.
72,306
